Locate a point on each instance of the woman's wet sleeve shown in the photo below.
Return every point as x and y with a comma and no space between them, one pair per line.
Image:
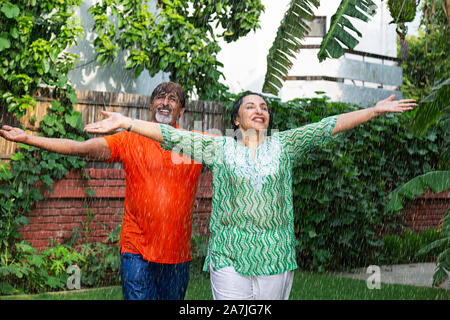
202,148
303,139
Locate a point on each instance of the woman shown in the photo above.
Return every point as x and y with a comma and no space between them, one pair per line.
251,251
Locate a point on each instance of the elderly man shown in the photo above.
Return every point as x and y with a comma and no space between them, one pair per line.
160,193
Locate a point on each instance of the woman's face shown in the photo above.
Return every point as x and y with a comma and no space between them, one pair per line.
253,114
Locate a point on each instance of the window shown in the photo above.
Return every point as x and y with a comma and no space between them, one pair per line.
318,26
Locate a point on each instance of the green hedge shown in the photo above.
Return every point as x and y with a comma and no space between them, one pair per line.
340,189
403,247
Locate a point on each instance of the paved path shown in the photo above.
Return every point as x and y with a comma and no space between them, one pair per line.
416,274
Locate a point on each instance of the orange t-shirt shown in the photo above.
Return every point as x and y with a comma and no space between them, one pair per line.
159,199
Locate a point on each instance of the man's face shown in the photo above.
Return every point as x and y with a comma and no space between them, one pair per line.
166,108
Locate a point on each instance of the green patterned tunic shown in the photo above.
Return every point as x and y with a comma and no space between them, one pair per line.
252,224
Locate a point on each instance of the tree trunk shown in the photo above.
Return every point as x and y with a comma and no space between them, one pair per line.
446,7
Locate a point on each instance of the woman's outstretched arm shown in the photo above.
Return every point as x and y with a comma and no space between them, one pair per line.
350,120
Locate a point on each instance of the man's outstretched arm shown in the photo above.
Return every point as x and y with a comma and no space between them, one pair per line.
96,148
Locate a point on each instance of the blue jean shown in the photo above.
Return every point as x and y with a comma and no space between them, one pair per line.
144,280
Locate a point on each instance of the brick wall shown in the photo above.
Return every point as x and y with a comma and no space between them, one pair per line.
60,213
426,211
202,205
66,209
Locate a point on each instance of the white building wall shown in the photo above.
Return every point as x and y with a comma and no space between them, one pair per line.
245,60
88,74
365,80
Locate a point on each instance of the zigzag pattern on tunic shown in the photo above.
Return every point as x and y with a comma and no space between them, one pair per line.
252,223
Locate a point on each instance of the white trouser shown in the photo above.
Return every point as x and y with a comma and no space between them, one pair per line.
227,284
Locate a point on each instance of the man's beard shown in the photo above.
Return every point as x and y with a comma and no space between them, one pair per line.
162,118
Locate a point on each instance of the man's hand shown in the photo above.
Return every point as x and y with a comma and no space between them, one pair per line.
116,121
13,134
112,122
390,106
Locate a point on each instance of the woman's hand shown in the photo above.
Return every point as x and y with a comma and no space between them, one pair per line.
112,122
350,120
390,106
13,134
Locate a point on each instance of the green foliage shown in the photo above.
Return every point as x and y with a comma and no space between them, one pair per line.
426,76
402,10
28,271
33,52
429,55
436,181
443,245
101,261
287,43
331,46
32,49
433,107
340,189
199,249
428,62
293,28
25,270
178,38
236,18
402,248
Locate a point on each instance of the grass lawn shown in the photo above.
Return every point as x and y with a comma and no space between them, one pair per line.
313,286
306,286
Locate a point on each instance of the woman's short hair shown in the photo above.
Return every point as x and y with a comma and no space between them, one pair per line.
237,105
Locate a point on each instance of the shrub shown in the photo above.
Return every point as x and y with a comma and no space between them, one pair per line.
340,188
25,270
403,247
32,272
442,248
199,249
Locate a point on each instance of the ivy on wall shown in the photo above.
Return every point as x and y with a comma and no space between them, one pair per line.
33,53
340,190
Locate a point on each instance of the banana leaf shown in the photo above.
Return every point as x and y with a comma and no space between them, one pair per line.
338,37
436,181
434,106
287,43
293,28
